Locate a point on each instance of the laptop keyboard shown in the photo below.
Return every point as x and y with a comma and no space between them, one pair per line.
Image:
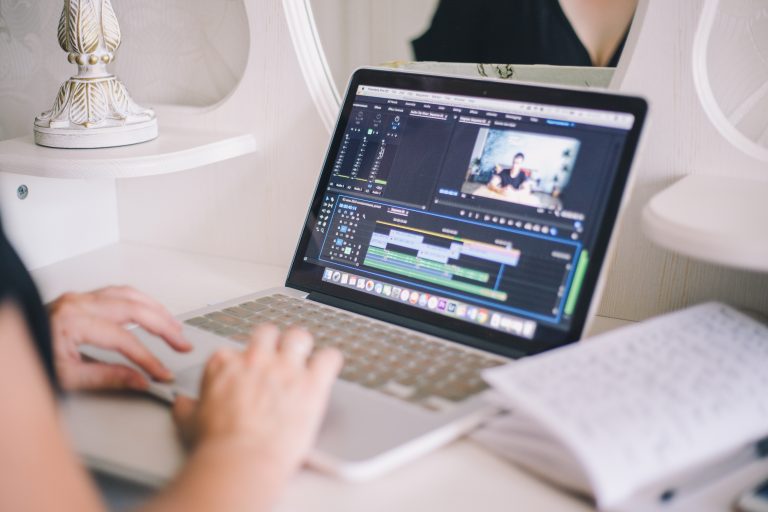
403,364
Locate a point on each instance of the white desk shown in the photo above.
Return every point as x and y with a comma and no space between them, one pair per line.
136,435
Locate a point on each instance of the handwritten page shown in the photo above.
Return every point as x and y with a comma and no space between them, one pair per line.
651,400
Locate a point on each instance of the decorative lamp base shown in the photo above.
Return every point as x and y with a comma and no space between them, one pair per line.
94,112
92,138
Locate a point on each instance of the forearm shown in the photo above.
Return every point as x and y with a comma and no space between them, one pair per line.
495,188
227,476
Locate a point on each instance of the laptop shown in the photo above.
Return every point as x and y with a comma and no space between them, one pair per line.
457,224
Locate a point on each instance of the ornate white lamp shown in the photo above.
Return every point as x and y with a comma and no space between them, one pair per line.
93,108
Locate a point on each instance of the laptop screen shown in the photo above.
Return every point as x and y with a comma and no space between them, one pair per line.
469,209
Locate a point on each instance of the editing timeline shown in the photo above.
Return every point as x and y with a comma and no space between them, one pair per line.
465,263
368,149
359,235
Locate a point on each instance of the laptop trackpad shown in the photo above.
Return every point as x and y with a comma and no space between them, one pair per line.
361,425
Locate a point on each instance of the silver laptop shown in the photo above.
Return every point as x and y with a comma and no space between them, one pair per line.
457,224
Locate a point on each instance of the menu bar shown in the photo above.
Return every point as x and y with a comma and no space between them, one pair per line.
620,120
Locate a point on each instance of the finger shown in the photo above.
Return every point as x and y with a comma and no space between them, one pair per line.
216,363
183,416
324,367
102,376
263,343
183,409
152,318
295,345
105,334
130,293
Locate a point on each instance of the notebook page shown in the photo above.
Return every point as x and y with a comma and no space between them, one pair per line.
649,400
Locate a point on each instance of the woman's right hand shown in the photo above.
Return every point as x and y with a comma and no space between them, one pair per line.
267,401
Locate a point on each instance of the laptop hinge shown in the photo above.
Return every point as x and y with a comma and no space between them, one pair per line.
413,324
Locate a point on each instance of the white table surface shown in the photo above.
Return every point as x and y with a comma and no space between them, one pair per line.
133,435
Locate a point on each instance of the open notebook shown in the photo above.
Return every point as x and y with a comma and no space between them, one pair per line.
641,414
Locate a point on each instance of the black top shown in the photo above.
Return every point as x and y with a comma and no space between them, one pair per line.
515,182
16,287
504,32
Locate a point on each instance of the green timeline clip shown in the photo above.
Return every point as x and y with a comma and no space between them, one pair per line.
578,280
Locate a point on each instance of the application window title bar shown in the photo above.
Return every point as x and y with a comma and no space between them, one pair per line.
608,119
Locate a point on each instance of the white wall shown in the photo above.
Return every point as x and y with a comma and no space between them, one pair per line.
358,33
189,52
251,208
181,52
680,140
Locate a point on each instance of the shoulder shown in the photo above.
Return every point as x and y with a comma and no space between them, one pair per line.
18,292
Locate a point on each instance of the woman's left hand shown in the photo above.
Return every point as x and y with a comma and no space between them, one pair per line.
99,318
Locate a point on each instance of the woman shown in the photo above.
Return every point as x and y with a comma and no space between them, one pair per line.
257,417
512,179
556,32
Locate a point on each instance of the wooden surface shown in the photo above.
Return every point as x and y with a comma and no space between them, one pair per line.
176,149
134,435
232,227
357,33
250,208
682,219
644,279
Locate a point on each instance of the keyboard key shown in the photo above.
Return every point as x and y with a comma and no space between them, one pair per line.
239,312
398,390
223,318
254,307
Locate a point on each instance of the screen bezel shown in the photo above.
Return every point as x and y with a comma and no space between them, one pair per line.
307,277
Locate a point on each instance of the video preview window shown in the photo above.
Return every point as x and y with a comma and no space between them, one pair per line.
520,167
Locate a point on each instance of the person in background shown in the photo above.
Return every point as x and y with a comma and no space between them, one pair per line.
555,32
514,178
257,417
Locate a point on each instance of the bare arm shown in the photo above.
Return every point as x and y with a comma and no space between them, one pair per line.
36,454
257,418
495,184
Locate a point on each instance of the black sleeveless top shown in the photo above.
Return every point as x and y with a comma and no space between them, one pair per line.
17,288
504,32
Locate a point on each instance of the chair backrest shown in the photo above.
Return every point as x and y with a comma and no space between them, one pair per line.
683,137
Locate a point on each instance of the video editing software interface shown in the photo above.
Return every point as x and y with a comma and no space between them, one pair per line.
479,209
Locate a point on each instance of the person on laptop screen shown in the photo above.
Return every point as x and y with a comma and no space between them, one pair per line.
257,417
507,181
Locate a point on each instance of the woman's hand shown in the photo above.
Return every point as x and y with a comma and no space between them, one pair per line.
267,401
98,318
